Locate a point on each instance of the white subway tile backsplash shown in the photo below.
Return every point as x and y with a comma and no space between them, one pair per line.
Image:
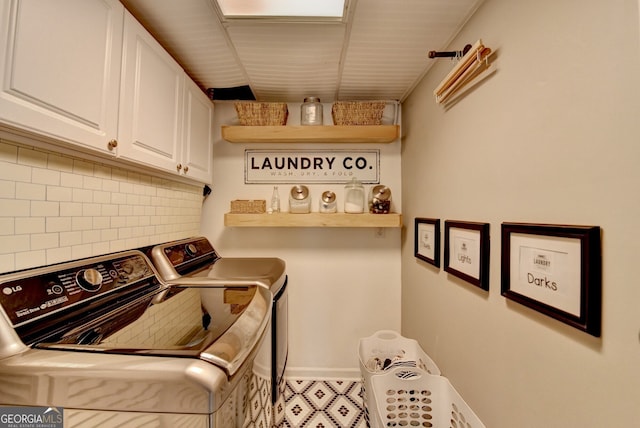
45,209
29,225
81,223
90,236
101,222
108,235
14,244
7,189
15,172
126,187
82,195
7,225
68,239
125,210
57,207
100,247
110,186
138,210
15,208
58,193
83,167
8,152
101,196
109,210
34,192
7,261
30,157
125,232
92,183
70,209
58,255
58,224
118,198
45,176
91,210
81,251
118,222
133,199
70,180
42,241
30,259
60,163
102,171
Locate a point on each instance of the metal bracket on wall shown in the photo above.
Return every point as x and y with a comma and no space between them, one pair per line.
450,54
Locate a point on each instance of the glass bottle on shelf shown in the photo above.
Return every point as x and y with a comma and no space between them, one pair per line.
311,111
328,202
380,200
275,201
354,197
299,200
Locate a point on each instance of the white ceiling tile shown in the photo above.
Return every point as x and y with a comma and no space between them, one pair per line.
380,53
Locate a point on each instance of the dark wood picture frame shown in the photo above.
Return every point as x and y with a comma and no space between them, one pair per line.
538,260
472,249
427,248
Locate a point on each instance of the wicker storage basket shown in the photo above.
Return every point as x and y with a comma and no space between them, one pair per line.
410,397
382,352
252,206
262,114
357,112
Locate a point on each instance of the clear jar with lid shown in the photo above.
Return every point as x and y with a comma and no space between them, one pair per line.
311,111
354,197
328,202
380,200
299,200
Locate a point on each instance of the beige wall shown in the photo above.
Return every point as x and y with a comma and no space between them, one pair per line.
55,208
344,283
552,137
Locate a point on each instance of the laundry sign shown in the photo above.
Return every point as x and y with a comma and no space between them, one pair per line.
311,166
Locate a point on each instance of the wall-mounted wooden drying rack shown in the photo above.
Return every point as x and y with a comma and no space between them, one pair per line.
474,60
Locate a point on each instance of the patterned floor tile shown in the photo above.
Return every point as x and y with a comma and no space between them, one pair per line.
323,404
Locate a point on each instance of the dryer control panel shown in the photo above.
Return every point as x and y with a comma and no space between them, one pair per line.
173,259
36,293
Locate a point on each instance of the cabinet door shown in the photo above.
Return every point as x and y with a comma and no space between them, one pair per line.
150,129
197,157
60,68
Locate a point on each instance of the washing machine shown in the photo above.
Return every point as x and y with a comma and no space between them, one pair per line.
107,343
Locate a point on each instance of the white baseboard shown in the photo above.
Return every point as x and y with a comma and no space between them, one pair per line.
315,373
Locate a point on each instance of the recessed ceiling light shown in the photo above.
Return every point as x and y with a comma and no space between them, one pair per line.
306,9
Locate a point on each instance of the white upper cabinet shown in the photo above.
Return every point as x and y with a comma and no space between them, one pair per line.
197,153
85,73
151,102
165,119
60,69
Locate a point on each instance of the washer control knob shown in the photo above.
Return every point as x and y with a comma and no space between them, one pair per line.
191,249
89,279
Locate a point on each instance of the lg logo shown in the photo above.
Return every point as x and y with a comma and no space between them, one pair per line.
10,290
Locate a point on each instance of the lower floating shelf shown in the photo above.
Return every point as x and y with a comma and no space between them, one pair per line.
313,220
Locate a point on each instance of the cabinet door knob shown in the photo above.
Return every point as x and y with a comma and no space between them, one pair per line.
112,144
186,169
179,166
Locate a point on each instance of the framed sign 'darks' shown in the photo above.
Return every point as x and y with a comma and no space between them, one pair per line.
556,270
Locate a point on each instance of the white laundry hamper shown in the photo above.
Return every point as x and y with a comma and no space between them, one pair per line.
410,397
384,351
